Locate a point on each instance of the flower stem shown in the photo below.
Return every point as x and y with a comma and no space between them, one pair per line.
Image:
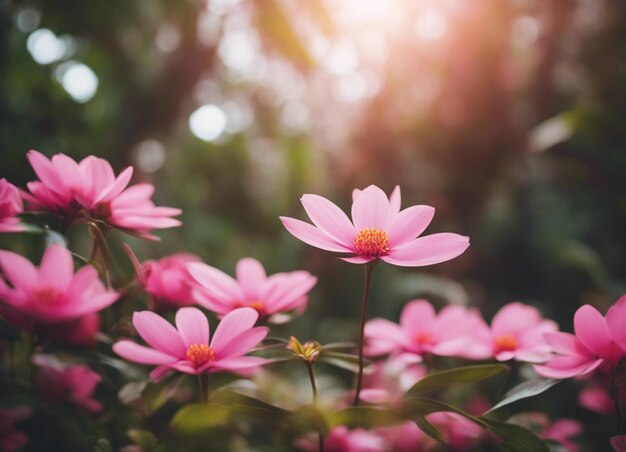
369,268
203,386
309,367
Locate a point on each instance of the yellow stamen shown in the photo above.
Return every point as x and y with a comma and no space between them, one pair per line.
200,354
371,242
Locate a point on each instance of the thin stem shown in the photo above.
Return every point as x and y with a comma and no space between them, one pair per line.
369,268
203,385
309,367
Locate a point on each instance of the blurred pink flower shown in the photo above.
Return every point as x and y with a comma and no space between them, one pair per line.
563,431
459,433
81,332
517,332
378,230
599,343
597,399
406,437
10,206
168,281
60,383
186,348
53,293
73,190
340,439
421,331
619,443
11,439
278,293
391,379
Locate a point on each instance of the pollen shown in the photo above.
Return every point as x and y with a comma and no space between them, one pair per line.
47,296
200,354
371,242
257,305
505,343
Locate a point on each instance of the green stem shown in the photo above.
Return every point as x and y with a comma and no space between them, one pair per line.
369,268
203,385
309,368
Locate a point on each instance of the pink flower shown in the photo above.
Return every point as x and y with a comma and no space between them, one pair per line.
10,207
459,433
517,332
60,383
391,379
90,189
11,439
279,293
340,439
406,437
53,293
81,332
186,348
563,431
597,399
421,331
599,343
378,230
619,443
168,281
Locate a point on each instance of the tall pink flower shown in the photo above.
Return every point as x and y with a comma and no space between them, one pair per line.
599,343
378,230
10,206
90,188
421,330
60,383
52,293
517,332
278,293
168,281
187,349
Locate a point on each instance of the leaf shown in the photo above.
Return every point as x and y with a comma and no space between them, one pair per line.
524,390
514,438
366,416
131,392
428,428
143,438
53,237
245,404
454,377
346,361
313,418
198,417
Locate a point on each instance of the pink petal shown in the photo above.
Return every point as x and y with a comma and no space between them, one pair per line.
57,267
250,276
355,193
428,250
371,209
193,326
567,367
515,318
132,196
395,200
98,171
68,171
329,218
215,281
313,236
243,343
357,259
210,303
240,363
159,333
140,354
616,321
232,325
375,395
591,329
46,172
18,270
619,443
83,304
293,286
117,187
417,315
409,224
566,344
159,373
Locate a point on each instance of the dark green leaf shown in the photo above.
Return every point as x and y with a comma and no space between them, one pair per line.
200,417
524,390
454,377
248,405
428,428
514,438
366,416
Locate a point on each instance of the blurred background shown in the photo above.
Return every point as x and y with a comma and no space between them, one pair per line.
507,116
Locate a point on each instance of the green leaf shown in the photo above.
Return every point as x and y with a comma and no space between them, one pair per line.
143,438
132,391
313,419
428,428
366,416
245,404
524,390
198,418
346,361
454,377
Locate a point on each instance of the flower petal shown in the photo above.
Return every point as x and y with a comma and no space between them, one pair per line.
250,276
313,236
417,315
409,224
193,326
567,367
159,333
243,343
232,325
329,218
371,209
46,172
140,354
18,270
395,201
428,250
616,321
591,329
357,259
121,182
215,281
56,268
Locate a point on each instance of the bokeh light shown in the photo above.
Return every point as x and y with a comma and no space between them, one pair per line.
208,122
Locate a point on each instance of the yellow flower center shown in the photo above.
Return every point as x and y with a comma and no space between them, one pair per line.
505,343
257,305
371,242
48,296
200,354
424,338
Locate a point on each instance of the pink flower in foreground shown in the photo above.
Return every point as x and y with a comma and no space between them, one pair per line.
278,293
378,230
60,383
11,439
517,332
340,439
52,293
10,206
186,348
168,281
421,331
599,343
73,190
